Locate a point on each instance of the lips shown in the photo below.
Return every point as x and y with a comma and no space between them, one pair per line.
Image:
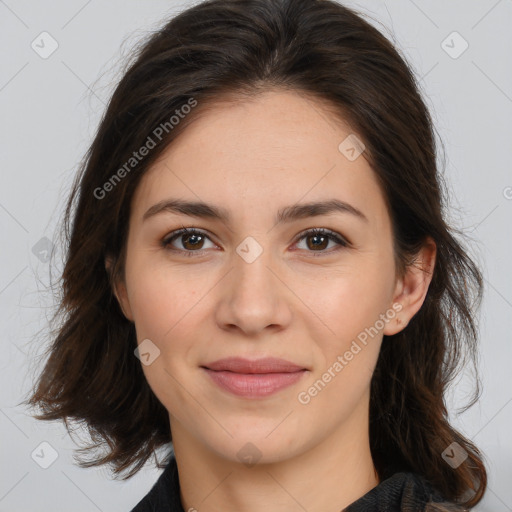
254,378
265,365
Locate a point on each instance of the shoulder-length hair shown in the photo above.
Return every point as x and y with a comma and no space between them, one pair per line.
236,49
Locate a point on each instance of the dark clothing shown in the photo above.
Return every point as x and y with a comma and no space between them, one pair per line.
164,496
406,492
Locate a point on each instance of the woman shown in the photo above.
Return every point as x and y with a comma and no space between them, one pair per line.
260,272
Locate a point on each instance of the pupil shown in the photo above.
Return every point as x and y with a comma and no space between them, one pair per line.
316,237
194,244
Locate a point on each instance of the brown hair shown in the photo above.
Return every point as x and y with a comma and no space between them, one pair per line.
235,48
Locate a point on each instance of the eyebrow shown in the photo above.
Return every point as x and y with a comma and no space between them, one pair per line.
284,215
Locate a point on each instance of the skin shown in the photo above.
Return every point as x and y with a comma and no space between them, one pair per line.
294,301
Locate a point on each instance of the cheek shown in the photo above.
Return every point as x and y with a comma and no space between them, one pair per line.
350,301
347,346
349,307
160,299
162,307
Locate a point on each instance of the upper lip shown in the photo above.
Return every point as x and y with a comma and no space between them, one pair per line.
264,365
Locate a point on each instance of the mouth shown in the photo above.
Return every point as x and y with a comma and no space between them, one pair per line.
254,378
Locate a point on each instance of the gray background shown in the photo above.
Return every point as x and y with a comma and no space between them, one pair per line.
50,110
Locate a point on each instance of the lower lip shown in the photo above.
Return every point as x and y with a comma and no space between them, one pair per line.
254,385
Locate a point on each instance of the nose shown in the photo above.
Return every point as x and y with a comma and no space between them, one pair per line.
254,297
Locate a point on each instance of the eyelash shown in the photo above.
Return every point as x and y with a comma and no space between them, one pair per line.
332,235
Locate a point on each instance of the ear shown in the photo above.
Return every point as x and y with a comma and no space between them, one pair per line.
119,290
411,289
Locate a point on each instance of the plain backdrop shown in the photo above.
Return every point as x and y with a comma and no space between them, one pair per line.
50,108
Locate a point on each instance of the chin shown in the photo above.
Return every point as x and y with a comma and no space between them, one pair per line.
261,444
249,453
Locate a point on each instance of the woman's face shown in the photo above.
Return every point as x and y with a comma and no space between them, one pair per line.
252,286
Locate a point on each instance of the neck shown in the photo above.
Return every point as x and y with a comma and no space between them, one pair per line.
327,477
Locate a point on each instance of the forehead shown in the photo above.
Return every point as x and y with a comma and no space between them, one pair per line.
278,148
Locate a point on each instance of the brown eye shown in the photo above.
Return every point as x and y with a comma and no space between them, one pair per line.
317,240
191,240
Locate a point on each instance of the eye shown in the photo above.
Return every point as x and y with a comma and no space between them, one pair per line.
192,240
320,239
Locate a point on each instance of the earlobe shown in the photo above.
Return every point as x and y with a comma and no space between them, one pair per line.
412,288
119,291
